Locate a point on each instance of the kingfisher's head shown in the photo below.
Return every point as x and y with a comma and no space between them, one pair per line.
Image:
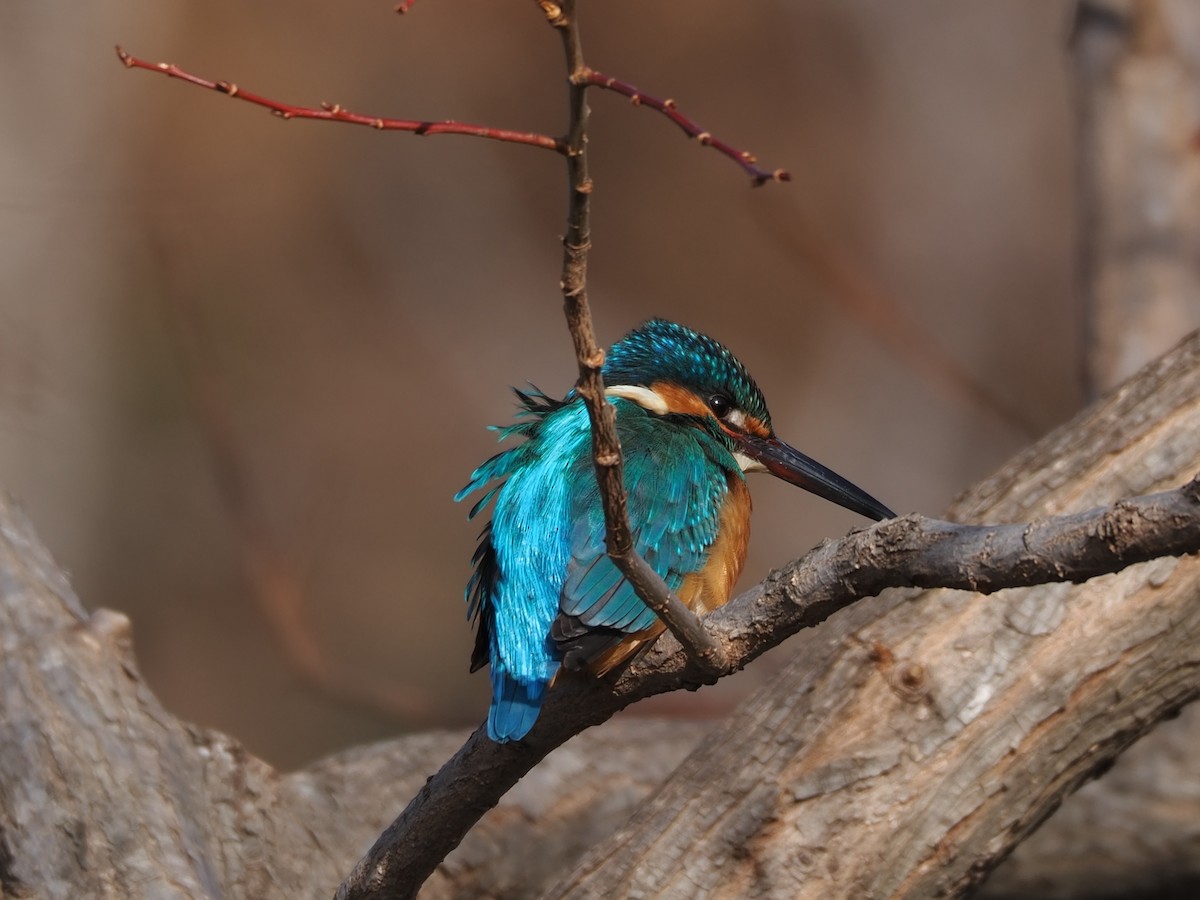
669,369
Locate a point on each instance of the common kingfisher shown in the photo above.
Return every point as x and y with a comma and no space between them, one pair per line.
544,594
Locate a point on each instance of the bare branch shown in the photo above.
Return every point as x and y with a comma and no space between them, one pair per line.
912,551
908,552
582,76
606,448
333,112
743,158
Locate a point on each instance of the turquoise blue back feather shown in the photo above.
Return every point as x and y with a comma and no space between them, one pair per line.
544,590
674,479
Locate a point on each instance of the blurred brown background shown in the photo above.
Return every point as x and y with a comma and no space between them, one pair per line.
234,349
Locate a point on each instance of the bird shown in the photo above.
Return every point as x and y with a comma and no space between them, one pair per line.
543,593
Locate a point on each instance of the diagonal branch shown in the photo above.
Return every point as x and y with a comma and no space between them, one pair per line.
759,176
581,77
912,551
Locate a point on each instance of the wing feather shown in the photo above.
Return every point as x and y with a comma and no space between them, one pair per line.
676,480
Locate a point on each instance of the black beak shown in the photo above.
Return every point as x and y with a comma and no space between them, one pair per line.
793,466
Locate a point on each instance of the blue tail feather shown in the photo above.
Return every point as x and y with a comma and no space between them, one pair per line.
515,705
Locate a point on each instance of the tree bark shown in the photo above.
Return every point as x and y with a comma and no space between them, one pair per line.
1133,833
920,736
104,794
1137,72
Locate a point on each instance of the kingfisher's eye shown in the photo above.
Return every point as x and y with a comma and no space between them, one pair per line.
720,405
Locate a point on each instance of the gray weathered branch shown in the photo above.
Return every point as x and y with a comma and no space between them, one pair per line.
103,793
912,551
102,790
919,737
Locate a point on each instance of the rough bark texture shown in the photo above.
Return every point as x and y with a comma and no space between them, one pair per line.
920,736
904,552
1133,833
104,794
1137,65
1136,831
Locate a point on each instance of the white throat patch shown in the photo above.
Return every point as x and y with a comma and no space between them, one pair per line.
748,464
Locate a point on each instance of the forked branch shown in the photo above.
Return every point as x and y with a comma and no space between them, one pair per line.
707,656
583,77
606,448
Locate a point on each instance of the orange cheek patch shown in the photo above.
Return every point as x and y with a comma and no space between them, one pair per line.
680,400
756,427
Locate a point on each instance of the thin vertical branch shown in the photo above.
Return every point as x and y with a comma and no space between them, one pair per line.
408,851
606,447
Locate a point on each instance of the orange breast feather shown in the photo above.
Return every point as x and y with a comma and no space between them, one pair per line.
710,586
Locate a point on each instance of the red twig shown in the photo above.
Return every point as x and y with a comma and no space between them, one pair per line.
404,6
667,107
335,113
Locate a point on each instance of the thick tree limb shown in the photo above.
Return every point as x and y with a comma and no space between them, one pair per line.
1133,833
104,794
905,552
919,737
102,791
912,551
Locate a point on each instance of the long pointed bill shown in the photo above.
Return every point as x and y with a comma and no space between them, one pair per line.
793,466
